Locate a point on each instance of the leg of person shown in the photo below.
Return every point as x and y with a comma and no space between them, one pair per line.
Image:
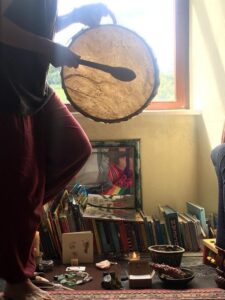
67,146
50,149
22,185
218,159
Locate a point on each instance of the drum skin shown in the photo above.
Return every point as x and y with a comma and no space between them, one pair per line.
97,94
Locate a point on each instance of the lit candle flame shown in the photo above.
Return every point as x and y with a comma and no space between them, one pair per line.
134,256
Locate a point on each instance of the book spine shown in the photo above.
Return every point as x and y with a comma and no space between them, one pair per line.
89,227
114,236
78,218
97,238
152,235
199,212
164,233
138,236
144,237
54,218
158,231
134,238
123,237
64,225
104,244
171,217
47,246
147,232
182,234
54,235
174,230
187,240
129,236
108,235
71,221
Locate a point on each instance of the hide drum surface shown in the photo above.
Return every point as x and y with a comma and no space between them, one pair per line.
98,95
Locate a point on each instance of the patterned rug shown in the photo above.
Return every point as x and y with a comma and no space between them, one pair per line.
150,294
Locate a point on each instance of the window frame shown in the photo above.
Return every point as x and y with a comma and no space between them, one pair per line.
181,60
181,100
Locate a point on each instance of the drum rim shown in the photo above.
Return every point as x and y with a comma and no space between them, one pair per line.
147,101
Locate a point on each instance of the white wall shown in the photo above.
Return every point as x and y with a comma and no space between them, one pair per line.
207,63
207,85
168,154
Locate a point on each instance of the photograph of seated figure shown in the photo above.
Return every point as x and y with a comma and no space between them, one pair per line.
120,172
109,171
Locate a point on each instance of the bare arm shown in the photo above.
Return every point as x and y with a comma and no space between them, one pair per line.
13,35
56,54
89,15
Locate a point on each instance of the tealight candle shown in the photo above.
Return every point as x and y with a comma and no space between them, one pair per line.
134,256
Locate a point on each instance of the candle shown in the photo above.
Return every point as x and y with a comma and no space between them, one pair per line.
36,244
134,256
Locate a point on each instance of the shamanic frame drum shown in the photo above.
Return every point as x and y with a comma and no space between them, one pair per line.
97,94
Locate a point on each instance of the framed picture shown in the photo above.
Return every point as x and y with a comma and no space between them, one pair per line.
111,175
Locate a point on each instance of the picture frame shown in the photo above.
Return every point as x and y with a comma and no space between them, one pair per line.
112,175
77,245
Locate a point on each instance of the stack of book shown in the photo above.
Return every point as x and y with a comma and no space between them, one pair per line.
63,215
118,228
125,230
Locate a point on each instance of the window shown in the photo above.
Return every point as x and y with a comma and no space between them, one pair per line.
164,26
181,60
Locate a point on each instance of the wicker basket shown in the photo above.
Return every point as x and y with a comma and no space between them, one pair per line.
167,254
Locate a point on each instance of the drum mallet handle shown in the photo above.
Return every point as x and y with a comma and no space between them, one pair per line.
120,73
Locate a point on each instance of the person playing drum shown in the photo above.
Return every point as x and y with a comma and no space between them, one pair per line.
42,145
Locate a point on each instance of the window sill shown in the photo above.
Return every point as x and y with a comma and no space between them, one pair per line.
173,112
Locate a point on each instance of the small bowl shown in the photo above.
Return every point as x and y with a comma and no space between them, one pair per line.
178,282
167,254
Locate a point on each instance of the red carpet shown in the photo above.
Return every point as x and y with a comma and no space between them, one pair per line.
150,294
